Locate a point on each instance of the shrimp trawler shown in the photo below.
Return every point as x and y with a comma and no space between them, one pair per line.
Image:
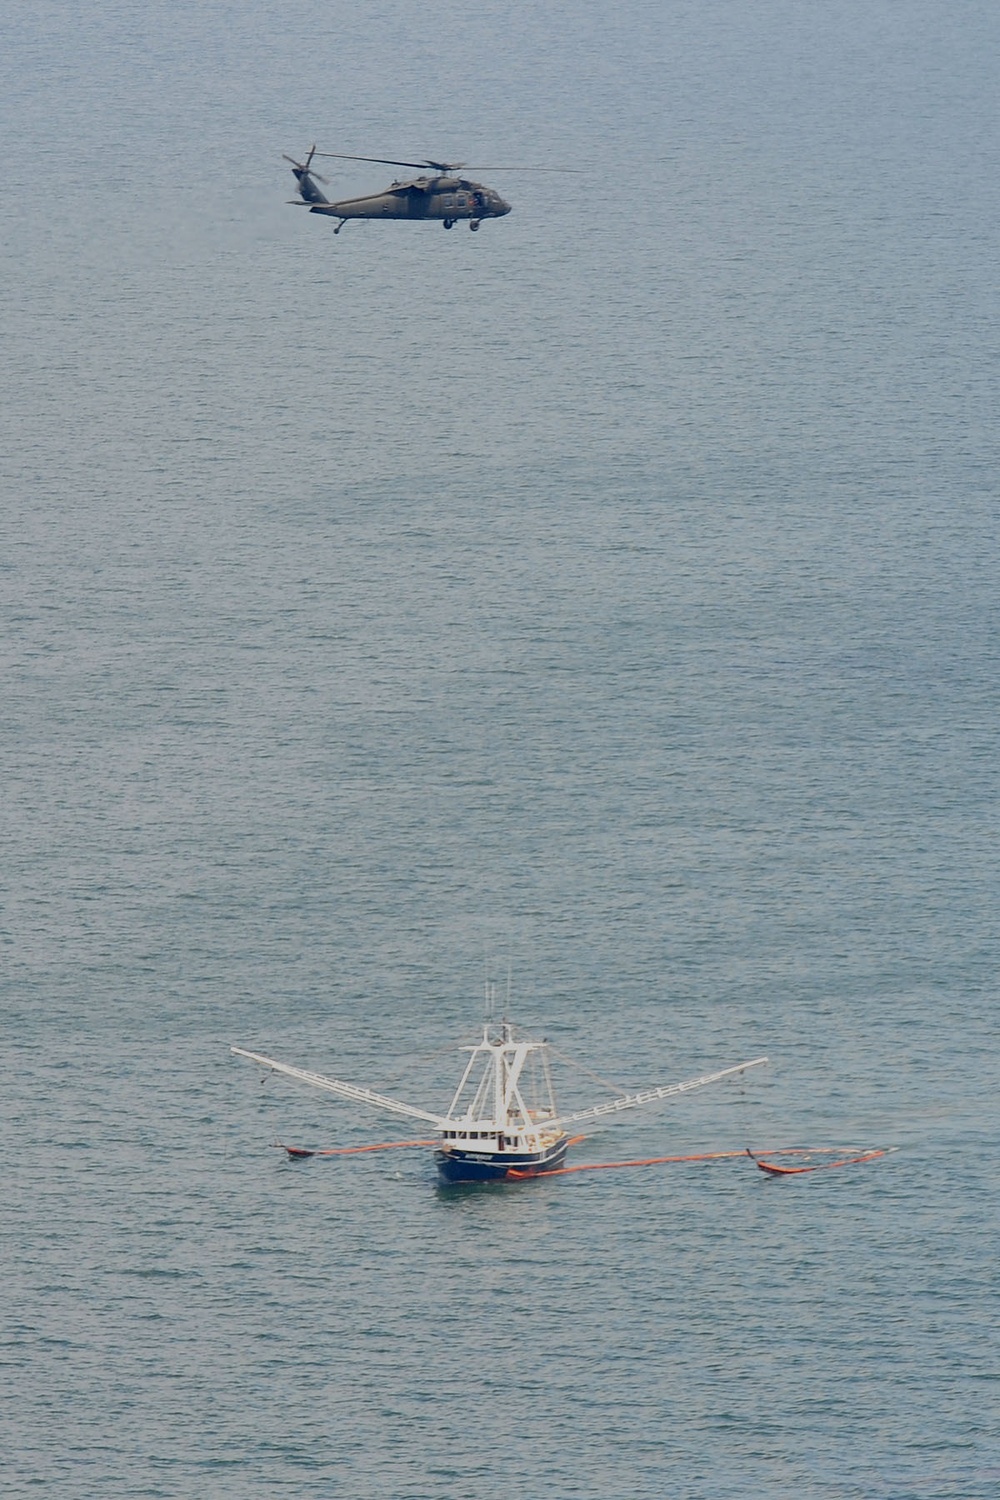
502,1124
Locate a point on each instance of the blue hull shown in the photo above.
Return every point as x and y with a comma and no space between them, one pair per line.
498,1166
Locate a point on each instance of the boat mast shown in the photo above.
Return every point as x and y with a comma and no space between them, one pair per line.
497,1100
499,1072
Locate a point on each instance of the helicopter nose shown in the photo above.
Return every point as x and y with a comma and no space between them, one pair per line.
503,207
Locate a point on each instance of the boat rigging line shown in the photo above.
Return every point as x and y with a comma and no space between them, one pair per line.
571,1062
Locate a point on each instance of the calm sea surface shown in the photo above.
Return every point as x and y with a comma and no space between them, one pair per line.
611,594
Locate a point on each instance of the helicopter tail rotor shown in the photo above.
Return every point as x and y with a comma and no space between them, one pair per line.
306,177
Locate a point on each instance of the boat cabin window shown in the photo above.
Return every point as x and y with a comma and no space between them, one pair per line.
470,1135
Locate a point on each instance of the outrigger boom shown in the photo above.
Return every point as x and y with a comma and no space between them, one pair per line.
650,1096
345,1090
502,1123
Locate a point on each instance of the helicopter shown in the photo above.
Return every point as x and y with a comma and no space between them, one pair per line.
442,195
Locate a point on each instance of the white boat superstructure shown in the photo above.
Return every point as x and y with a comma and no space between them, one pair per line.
513,1097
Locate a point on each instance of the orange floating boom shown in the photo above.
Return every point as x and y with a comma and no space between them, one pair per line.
513,1175
607,1166
302,1151
654,1161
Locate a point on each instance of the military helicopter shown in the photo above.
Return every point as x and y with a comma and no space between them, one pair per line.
441,196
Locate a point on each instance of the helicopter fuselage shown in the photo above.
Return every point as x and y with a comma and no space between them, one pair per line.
444,198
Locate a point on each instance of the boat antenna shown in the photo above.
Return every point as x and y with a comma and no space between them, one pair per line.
490,995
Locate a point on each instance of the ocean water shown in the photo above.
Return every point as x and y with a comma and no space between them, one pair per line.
608,598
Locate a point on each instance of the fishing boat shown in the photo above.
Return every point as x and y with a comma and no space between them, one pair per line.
502,1124
502,1120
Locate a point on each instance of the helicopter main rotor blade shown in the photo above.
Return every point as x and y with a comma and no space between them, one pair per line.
573,171
390,161
446,166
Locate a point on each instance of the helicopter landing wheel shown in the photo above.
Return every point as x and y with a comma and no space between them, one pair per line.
449,223
473,224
